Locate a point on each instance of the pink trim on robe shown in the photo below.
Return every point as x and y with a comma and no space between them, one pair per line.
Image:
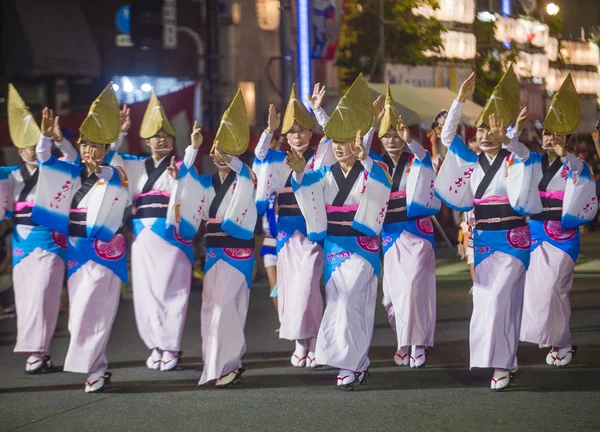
490,199
342,209
285,190
398,194
556,195
78,210
23,204
152,193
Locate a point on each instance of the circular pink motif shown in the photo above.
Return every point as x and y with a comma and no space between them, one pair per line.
111,251
370,244
555,231
425,226
519,238
239,253
59,239
181,239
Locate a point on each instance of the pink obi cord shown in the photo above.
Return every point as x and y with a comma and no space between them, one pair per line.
491,200
152,192
553,195
285,190
78,210
23,204
214,221
398,194
342,209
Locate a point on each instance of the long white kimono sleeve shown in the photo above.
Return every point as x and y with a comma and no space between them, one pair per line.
452,185
269,165
522,185
420,194
580,203
308,189
372,208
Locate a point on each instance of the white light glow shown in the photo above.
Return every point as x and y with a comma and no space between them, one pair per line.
127,85
116,87
146,87
552,9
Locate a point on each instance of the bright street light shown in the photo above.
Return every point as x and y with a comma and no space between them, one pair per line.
552,9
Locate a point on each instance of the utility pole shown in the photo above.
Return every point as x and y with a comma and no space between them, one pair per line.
212,25
287,69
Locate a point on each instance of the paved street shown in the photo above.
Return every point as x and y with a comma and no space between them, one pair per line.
273,396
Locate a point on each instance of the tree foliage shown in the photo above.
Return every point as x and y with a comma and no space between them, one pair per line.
407,37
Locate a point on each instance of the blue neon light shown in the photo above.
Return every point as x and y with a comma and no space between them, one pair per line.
304,71
506,7
506,13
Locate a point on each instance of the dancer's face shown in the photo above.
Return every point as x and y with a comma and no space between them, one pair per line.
392,142
28,154
549,140
485,141
298,137
342,150
161,144
93,150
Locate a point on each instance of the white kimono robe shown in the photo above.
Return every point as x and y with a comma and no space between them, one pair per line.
95,256
299,300
501,239
38,259
409,290
352,255
229,259
569,198
161,261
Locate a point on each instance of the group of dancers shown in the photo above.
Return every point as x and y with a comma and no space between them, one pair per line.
333,212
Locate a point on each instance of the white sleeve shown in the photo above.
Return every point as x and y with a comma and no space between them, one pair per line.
189,157
262,147
119,142
298,176
417,149
367,164
515,146
235,164
451,124
67,150
44,148
368,139
322,117
106,173
573,162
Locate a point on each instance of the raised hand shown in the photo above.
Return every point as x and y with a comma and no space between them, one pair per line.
467,88
403,131
125,118
497,129
357,148
173,169
273,121
521,120
558,144
57,135
378,110
47,125
90,162
196,136
316,99
219,156
295,160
